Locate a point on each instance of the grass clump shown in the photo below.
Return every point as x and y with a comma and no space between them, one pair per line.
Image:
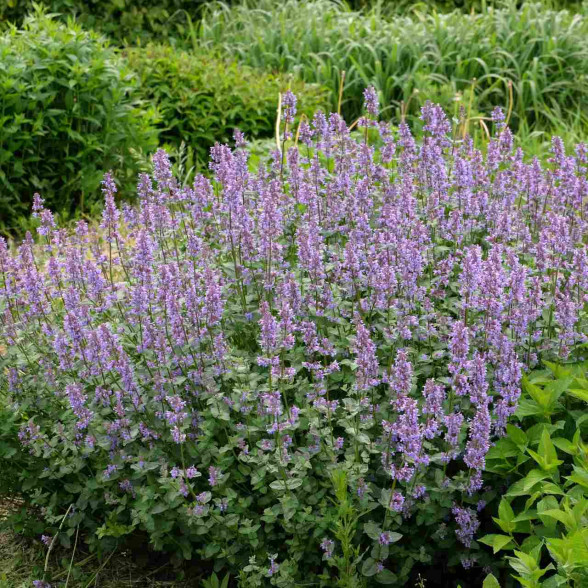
527,58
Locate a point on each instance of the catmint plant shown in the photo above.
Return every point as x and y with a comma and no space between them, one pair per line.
204,365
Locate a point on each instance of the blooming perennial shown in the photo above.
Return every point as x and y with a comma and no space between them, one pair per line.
364,301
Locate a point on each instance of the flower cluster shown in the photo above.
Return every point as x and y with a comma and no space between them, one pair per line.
363,301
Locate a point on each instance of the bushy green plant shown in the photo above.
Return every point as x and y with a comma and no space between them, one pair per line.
123,20
419,56
294,372
543,516
202,99
68,110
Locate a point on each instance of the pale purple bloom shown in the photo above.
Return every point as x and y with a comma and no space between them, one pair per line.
397,502
213,475
371,102
467,524
274,567
327,545
289,107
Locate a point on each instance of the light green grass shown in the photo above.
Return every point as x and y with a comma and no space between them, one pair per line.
423,55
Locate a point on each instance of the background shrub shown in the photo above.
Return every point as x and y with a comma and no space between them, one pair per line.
201,98
123,20
68,111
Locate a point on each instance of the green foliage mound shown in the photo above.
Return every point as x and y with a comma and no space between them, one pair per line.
69,110
542,519
123,20
201,99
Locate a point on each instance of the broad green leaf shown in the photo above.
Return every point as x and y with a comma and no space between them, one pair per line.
563,517
372,530
528,408
497,542
547,449
565,445
290,484
578,393
551,488
579,510
528,515
547,503
516,435
490,582
527,484
540,395
582,383
554,581
387,577
506,516
523,563
505,511
501,542
369,567
579,476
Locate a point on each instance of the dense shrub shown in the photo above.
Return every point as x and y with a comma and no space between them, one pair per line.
415,57
123,20
296,373
201,99
68,110
542,518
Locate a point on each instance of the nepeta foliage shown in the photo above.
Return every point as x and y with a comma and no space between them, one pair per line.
292,366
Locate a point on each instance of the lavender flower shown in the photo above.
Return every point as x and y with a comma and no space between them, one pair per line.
371,102
467,524
328,545
213,475
274,567
289,107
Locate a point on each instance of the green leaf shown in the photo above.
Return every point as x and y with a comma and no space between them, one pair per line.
547,449
563,517
528,515
386,577
517,435
579,393
505,511
526,485
159,508
290,484
490,582
369,567
372,530
498,542
565,445
547,503
528,408
72,488
541,397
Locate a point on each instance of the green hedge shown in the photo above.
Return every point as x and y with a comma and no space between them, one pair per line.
201,99
123,20
69,110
